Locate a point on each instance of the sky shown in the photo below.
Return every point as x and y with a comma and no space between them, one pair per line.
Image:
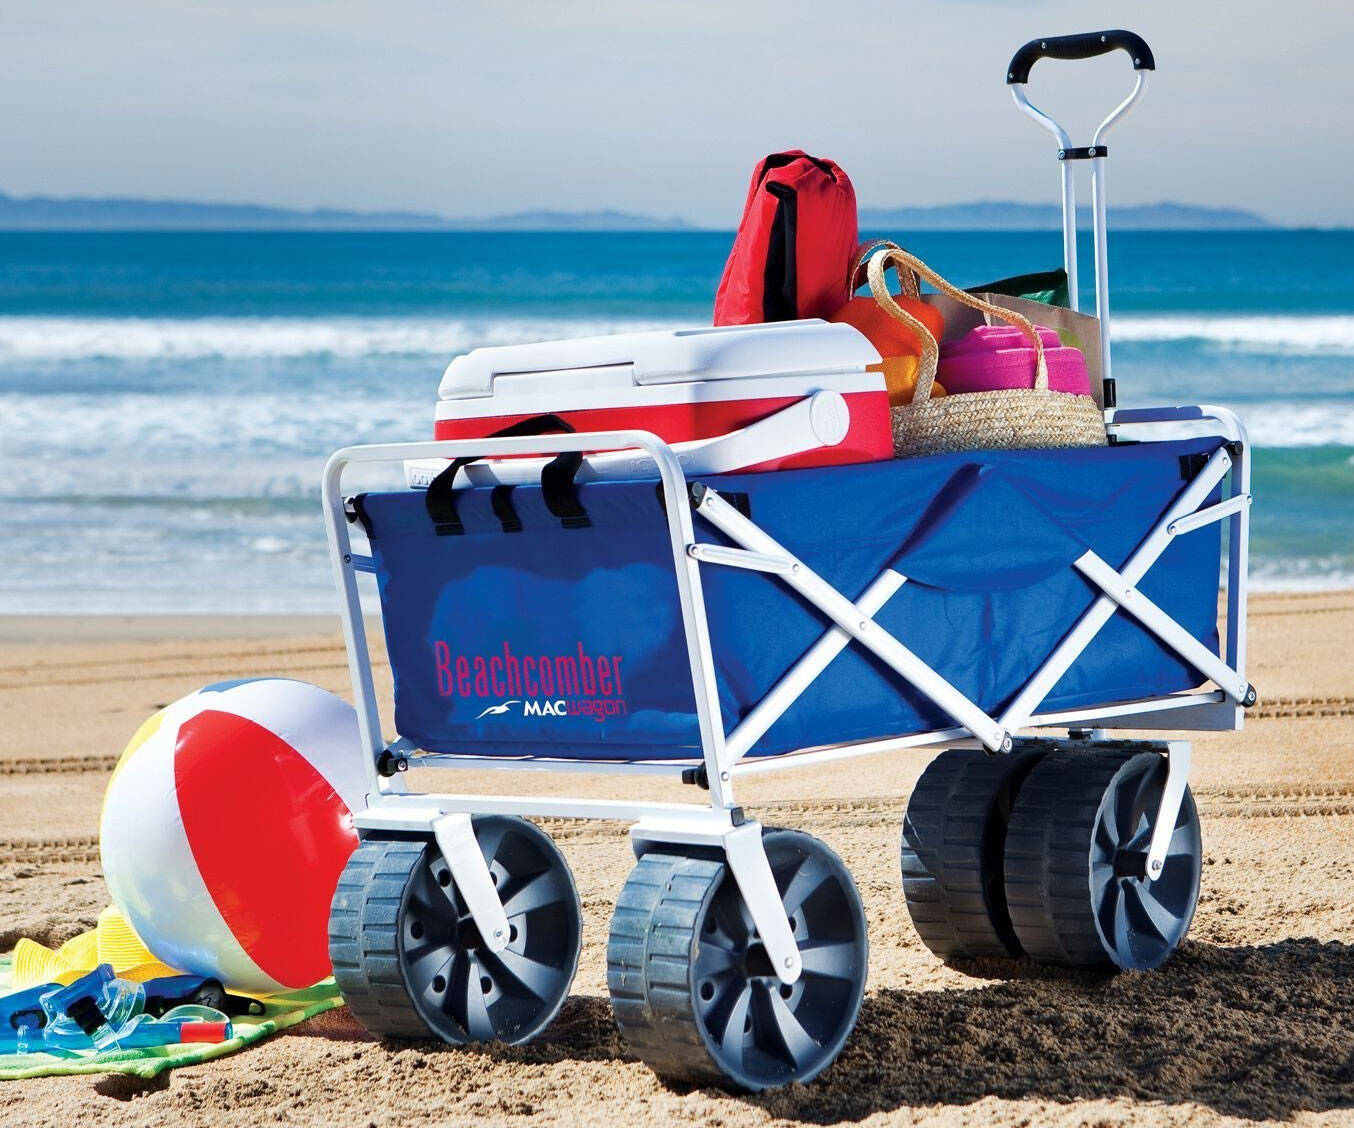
470,109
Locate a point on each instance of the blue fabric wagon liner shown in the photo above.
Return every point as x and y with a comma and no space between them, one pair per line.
569,642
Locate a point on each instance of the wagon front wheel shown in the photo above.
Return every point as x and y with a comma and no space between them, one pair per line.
693,991
410,961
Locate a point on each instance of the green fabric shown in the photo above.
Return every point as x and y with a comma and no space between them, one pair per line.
1046,286
280,1011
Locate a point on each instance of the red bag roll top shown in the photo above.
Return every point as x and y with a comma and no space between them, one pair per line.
794,243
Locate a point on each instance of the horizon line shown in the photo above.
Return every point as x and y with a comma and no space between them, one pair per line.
687,229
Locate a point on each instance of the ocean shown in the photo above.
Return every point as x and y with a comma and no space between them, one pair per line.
167,400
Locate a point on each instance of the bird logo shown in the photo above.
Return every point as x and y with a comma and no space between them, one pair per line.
498,710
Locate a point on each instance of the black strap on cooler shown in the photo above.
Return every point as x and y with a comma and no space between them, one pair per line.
557,484
559,491
501,500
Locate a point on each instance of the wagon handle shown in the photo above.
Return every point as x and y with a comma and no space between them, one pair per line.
1086,45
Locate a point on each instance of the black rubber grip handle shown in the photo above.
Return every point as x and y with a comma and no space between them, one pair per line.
1087,45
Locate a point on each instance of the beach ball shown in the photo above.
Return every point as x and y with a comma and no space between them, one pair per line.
225,827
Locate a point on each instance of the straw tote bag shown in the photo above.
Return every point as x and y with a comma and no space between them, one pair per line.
1009,419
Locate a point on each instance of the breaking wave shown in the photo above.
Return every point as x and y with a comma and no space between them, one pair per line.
1319,335
130,338
39,338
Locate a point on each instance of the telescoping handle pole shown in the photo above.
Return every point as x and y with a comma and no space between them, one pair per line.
1085,46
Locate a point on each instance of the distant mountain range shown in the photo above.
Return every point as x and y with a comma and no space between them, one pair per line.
1006,215
42,213
542,220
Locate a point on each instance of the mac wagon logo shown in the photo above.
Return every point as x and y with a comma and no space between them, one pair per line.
560,707
576,684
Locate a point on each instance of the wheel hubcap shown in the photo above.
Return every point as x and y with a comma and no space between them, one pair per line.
468,933
464,990
1130,863
1141,921
757,964
758,1026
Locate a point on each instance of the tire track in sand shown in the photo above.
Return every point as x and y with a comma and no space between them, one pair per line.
1277,708
122,676
63,765
1237,802
40,667
1286,708
49,851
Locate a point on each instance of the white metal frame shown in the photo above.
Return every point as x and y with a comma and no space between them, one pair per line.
1099,215
724,756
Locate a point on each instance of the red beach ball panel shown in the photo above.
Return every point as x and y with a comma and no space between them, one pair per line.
270,837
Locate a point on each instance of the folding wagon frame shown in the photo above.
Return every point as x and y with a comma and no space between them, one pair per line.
720,829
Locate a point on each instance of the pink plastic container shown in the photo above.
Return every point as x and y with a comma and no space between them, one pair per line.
995,357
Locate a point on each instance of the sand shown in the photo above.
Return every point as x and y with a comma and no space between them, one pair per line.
1253,1020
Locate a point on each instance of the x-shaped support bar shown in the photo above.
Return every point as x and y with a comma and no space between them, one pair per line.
761,552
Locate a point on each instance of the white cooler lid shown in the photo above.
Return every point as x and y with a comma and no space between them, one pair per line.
669,356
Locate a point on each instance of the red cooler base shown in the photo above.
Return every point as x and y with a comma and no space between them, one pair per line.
868,439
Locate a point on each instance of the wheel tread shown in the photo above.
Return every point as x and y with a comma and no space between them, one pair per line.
650,950
1047,851
362,939
943,854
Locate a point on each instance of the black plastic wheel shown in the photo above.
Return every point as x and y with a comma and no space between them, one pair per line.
1076,858
410,961
954,835
693,990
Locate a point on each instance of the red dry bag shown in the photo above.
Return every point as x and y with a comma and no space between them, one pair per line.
794,244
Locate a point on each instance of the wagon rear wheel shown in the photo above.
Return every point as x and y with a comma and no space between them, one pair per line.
410,961
693,990
954,835
1076,856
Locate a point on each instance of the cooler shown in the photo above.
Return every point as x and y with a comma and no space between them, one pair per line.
685,385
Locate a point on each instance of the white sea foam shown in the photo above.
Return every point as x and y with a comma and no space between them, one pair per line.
190,445
42,338
1276,424
216,478
1293,425
1318,334
271,444
1327,574
133,338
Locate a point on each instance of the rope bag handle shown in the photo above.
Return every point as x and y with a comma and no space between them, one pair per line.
910,287
898,258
